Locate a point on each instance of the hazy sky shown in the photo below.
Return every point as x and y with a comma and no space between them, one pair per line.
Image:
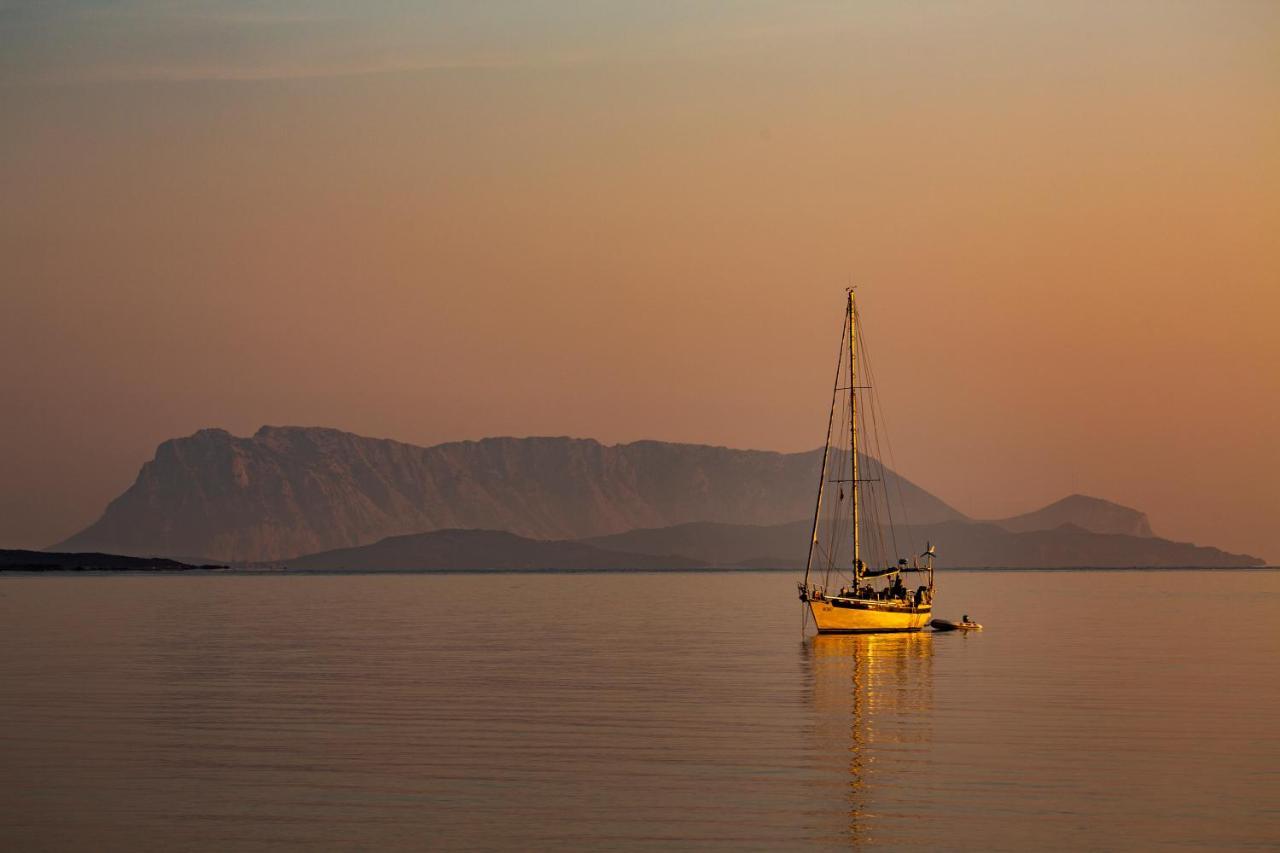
635,220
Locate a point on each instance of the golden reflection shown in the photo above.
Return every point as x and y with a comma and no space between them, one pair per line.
872,694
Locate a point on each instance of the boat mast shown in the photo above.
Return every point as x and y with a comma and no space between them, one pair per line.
853,429
826,450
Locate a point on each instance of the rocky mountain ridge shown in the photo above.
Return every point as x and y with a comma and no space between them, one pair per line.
288,491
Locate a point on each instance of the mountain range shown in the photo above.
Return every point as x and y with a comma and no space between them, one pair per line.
289,492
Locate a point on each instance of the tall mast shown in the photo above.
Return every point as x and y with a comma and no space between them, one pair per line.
853,428
826,449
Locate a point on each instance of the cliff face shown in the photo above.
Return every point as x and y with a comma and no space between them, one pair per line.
288,491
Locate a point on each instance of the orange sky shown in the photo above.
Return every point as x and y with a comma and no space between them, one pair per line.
630,223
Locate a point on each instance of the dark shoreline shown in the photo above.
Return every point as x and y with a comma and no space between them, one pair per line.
245,572
38,562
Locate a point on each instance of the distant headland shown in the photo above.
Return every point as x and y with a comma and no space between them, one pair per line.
53,561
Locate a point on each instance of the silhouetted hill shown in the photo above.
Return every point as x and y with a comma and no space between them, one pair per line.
471,550
718,544
49,561
296,490
1093,514
979,545
959,543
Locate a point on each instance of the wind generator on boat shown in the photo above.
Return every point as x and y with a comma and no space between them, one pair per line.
860,523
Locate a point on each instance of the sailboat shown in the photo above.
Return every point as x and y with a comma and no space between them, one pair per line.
857,537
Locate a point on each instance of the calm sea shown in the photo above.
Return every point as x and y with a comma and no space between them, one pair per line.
1098,710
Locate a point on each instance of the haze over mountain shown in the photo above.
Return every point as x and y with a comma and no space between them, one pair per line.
288,491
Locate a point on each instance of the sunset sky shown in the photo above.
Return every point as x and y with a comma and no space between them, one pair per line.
634,220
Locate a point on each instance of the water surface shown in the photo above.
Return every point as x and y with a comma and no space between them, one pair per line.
1099,710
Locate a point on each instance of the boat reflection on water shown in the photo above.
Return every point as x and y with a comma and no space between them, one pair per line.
872,697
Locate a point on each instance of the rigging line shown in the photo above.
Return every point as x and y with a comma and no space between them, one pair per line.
828,558
830,550
874,519
824,529
823,553
882,427
875,442
826,450
874,501
887,520
912,537
841,540
880,525
833,527
888,440
878,417
867,493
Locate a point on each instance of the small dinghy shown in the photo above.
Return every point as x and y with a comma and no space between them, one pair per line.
965,624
